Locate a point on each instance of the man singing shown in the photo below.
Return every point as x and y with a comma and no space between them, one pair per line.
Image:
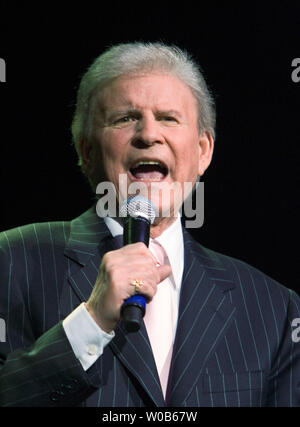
216,332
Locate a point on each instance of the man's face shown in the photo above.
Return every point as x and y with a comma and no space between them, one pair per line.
146,127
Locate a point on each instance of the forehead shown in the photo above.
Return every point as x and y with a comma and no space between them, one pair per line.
142,91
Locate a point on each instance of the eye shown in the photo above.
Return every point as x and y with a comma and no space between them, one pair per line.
168,119
125,119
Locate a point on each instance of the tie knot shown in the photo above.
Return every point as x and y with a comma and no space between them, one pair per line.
159,252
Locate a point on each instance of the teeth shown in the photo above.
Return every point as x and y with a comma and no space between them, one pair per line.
152,174
150,162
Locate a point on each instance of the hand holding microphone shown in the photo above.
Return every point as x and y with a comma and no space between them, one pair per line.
119,269
138,214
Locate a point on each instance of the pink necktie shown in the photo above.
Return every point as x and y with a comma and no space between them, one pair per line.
159,321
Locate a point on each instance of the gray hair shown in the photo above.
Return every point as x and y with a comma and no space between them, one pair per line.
134,58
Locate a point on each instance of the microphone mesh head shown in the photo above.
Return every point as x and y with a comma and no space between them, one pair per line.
138,206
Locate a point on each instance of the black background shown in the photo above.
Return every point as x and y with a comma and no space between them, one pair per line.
245,49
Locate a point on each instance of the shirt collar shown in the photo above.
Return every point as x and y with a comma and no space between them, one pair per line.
114,226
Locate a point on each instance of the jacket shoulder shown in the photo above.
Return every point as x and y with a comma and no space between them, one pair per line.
35,235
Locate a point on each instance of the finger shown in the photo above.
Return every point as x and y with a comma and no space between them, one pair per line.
138,253
164,271
145,287
144,251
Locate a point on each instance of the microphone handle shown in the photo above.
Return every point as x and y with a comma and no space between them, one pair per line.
133,309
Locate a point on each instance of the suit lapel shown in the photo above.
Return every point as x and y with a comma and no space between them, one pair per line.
205,312
89,240
134,352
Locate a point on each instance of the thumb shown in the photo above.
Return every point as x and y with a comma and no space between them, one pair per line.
164,271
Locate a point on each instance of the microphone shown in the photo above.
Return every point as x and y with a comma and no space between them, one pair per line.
138,213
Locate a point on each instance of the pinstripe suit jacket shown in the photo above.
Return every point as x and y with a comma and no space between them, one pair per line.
233,344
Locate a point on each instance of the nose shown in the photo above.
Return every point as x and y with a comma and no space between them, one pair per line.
147,132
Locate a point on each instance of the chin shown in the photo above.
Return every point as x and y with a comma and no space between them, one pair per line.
166,203
167,197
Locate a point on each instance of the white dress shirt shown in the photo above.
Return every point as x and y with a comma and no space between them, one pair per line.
87,339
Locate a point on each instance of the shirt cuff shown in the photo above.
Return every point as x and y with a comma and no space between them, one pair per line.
87,339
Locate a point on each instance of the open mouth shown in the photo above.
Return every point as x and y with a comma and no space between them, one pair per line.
149,170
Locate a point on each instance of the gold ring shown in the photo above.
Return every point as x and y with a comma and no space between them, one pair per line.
138,284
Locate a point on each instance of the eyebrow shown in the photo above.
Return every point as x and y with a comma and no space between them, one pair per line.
169,113
136,111
115,113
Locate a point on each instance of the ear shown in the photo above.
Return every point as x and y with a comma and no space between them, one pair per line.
85,149
206,148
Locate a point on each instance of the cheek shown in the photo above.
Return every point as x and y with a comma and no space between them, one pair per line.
187,163
112,149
